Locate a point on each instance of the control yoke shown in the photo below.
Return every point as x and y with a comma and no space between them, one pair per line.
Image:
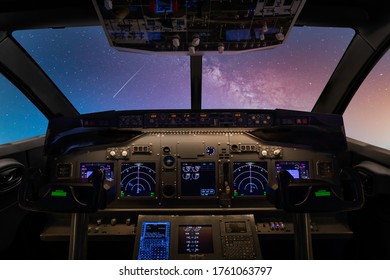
310,196
65,196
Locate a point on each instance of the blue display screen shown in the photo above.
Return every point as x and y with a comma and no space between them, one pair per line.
297,169
164,6
87,168
154,241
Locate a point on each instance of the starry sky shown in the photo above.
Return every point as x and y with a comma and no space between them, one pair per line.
291,76
96,77
367,117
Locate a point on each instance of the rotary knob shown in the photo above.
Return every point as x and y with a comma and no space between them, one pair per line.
264,153
124,153
112,153
277,152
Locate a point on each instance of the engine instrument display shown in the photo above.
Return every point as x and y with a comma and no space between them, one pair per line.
197,179
297,169
195,239
87,168
138,179
249,178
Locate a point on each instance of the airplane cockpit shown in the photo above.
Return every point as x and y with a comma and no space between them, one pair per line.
202,164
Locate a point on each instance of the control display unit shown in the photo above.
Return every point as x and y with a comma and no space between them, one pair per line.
297,169
197,179
138,179
249,179
87,168
154,241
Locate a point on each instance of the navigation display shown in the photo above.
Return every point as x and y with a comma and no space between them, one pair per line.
249,178
197,179
195,239
297,169
87,168
138,179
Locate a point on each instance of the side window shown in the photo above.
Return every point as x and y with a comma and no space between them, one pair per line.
367,117
19,118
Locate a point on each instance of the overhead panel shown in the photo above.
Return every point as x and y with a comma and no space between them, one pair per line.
197,27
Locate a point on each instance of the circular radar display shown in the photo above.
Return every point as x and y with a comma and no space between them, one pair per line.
138,179
249,178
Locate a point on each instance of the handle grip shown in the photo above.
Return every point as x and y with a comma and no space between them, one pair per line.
73,196
308,196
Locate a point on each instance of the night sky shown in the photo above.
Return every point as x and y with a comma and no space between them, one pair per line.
96,77
367,117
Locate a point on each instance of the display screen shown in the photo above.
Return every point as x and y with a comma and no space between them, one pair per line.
195,239
87,168
197,179
154,241
235,227
297,169
249,178
164,6
138,179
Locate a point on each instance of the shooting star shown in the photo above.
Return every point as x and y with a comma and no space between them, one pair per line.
132,77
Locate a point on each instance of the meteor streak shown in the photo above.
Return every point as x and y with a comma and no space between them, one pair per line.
132,77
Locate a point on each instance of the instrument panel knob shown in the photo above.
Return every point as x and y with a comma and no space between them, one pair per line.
277,152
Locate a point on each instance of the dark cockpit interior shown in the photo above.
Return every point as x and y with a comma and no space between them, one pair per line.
200,182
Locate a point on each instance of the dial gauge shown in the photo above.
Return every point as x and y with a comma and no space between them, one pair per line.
210,150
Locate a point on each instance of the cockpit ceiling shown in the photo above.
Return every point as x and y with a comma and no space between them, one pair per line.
197,27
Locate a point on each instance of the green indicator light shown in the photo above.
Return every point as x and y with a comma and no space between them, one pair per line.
235,193
122,194
152,194
59,193
322,193
265,193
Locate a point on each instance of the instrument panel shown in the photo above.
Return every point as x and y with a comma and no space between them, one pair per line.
178,168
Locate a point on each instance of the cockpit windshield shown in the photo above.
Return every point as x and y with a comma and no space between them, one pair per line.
96,77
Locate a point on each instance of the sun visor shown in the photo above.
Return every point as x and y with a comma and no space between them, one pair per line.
197,27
